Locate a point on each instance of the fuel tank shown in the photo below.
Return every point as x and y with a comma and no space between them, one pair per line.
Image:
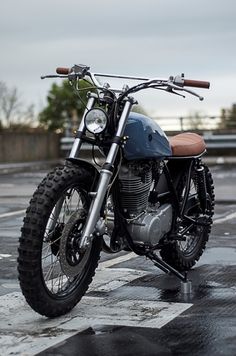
146,139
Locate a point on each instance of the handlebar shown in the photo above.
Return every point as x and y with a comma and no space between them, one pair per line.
172,84
196,84
63,70
184,82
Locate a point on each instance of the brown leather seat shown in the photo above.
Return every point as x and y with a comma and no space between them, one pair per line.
187,144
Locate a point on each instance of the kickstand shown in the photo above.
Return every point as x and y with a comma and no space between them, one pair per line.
186,284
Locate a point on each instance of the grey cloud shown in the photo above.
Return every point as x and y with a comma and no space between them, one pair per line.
52,19
143,37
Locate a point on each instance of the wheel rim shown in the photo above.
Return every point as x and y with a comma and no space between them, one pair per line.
57,282
192,239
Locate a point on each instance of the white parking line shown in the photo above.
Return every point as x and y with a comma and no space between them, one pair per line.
24,332
115,261
4,255
110,279
225,218
12,213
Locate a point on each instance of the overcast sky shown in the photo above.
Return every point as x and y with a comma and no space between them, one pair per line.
136,37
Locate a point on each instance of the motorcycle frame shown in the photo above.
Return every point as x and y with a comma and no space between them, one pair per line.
63,232
106,172
173,85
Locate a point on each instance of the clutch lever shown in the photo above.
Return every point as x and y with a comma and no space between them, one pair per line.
70,76
53,76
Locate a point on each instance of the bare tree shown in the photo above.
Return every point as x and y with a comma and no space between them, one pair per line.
228,118
12,110
195,121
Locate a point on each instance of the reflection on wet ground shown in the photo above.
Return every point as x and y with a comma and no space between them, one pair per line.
206,327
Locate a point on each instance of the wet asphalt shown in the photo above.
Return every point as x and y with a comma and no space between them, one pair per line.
206,327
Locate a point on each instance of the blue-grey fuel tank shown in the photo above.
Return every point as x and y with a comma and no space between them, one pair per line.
146,139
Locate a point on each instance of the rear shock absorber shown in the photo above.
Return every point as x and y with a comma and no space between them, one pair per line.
201,185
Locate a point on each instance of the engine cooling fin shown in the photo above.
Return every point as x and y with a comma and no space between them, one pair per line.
134,187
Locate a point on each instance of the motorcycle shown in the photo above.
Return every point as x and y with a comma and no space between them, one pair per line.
152,195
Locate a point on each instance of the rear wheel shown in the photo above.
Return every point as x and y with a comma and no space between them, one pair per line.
194,228
54,273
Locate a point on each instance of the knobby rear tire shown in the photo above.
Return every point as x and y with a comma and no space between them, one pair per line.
39,296
172,252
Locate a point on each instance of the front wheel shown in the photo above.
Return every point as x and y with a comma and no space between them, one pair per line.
54,273
193,229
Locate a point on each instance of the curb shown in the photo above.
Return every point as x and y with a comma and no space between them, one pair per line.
9,168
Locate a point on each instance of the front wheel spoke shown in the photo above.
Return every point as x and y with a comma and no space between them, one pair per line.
58,282
49,273
46,255
50,244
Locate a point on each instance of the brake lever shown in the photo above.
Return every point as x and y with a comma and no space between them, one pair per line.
201,98
177,87
170,90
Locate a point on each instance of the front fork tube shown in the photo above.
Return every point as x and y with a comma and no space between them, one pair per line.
104,180
95,207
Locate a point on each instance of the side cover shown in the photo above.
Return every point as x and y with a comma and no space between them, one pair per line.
146,139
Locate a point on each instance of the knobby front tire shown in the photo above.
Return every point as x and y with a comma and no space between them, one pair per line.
53,273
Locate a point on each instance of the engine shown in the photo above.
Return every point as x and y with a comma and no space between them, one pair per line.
147,223
135,184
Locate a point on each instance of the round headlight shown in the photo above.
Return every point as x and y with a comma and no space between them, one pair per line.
96,121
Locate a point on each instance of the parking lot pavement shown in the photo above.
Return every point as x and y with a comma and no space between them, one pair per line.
132,308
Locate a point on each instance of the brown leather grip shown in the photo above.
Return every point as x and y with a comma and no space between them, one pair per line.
63,70
196,83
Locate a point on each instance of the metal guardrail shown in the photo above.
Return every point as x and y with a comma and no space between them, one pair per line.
218,142
67,142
